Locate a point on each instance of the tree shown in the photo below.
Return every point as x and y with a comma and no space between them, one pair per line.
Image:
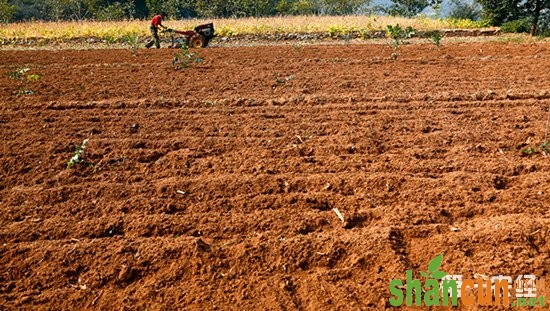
538,8
210,8
80,9
7,11
342,7
283,7
66,9
175,8
410,8
56,9
29,10
501,11
317,7
465,10
304,7
140,8
116,11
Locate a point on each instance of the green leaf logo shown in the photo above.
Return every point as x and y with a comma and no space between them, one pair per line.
433,269
438,274
435,263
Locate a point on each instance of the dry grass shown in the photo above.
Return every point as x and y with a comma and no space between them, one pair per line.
116,31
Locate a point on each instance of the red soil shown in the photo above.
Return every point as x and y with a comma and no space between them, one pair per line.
420,155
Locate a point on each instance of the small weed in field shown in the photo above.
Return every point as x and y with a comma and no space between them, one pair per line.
334,31
340,32
283,80
545,148
365,34
133,41
347,37
435,37
528,151
78,157
298,46
22,75
110,39
398,36
184,58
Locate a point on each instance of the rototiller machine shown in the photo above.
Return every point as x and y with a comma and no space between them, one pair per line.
197,38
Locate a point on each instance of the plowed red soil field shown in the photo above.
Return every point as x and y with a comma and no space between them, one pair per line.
213,188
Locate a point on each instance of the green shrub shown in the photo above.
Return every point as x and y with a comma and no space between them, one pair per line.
517,26
185,58
133,41
398,35
435,36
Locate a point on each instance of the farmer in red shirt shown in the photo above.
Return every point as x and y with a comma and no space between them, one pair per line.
155,24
